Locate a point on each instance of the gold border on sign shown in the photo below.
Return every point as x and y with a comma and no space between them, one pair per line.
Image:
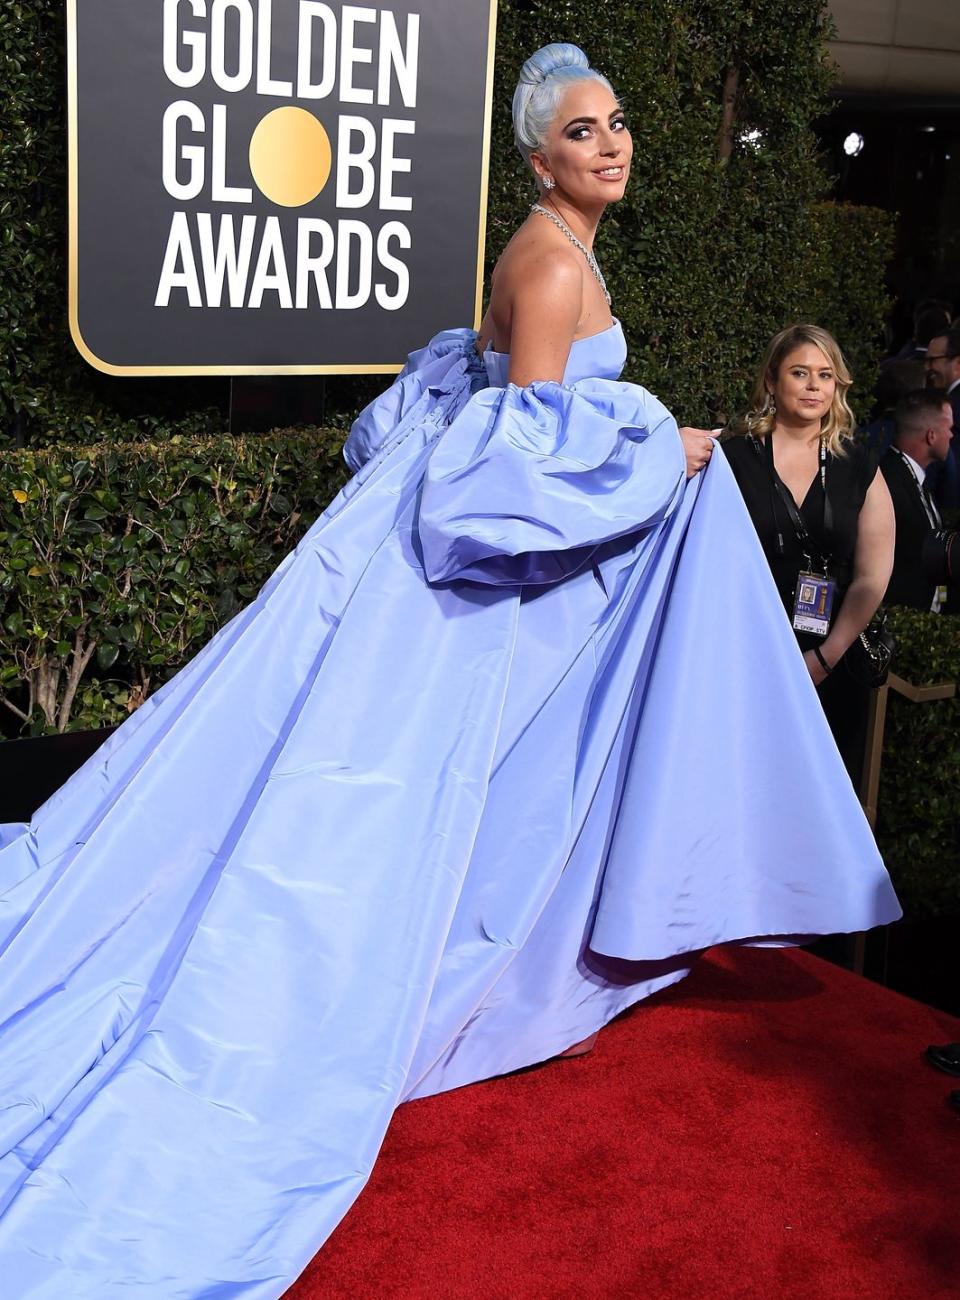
485,164
73,188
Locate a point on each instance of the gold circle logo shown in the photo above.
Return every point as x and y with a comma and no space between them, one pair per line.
290,156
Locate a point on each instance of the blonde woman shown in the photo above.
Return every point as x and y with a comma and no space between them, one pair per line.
822,512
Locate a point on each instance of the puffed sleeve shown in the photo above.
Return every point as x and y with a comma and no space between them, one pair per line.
448,356
527,482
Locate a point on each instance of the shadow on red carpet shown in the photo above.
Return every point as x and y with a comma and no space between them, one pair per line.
767,1127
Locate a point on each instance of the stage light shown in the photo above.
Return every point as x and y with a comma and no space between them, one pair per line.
853,144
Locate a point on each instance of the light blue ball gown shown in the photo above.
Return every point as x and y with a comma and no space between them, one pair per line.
516,731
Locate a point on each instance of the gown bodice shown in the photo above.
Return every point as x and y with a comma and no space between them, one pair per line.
598,356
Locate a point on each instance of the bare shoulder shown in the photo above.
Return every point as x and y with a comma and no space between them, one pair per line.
536,268
542,253
536,302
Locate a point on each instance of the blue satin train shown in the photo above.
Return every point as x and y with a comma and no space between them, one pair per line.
516,731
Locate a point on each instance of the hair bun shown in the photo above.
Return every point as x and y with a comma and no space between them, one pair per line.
550,59
543,80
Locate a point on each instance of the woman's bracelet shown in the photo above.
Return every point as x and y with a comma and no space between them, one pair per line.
827,668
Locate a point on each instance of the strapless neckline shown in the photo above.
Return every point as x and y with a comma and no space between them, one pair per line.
595,356
490,350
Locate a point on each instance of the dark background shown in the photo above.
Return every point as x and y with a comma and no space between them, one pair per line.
909,165
124,211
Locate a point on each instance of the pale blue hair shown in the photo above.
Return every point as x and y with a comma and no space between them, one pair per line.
543,79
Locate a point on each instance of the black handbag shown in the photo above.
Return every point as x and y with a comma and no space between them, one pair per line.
870,657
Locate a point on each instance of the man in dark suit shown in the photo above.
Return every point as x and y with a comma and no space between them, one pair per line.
942,364
923,422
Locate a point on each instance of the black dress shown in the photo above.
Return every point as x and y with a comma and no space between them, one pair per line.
916,520
845,701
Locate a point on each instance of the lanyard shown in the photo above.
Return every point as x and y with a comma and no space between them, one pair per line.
930,510
807,543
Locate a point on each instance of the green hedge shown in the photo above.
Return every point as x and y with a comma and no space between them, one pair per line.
122,561
47,392
707,256
33,338
918,812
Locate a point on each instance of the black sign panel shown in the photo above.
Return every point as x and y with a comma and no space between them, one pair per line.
275,186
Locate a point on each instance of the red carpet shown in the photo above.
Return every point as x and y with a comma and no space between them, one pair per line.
765,1128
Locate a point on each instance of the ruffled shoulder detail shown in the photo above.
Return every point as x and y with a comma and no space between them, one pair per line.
440,368
527,482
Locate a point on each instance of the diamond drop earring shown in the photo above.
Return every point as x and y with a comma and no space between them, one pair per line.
548,183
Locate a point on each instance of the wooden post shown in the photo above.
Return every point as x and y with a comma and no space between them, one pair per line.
873,758
870,781
730,84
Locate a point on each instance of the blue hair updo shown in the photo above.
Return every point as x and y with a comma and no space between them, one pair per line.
543,79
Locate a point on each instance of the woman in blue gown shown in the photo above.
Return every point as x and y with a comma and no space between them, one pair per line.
517,731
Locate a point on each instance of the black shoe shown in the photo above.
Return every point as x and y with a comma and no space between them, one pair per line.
946,1058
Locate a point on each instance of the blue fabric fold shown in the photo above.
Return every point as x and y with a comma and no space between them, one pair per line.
526,483
440,370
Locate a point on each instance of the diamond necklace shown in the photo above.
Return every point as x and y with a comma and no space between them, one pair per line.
591,260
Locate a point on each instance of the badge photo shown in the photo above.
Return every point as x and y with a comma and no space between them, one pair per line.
813,603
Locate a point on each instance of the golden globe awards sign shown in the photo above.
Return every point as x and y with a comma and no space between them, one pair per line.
274,186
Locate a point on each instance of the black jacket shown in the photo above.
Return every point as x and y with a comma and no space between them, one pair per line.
943,478
907,586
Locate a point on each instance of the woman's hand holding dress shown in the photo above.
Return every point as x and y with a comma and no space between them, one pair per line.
698,447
